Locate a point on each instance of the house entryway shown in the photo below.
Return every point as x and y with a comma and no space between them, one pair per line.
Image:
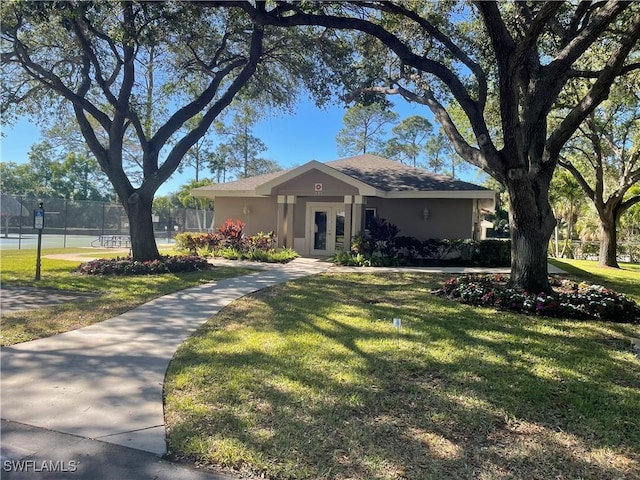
325,228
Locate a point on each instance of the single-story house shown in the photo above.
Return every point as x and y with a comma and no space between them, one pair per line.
317,208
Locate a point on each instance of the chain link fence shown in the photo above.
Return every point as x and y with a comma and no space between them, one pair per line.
73,223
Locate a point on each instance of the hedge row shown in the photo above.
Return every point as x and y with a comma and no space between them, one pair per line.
380,245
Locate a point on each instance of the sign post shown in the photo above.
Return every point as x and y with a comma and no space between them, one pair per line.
38,224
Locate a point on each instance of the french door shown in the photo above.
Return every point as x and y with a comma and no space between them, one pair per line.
325,229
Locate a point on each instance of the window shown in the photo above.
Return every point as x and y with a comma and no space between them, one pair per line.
369,215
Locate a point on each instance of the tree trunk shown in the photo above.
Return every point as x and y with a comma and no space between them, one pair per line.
143,242
608,242
531,223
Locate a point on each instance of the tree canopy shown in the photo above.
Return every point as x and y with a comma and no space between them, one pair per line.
52,173
524,54
139,72
364,129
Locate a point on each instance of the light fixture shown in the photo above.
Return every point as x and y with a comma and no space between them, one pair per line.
246,210
425,213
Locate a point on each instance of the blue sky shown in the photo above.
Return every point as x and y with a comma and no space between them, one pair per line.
292,139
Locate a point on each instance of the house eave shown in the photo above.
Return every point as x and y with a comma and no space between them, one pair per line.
472,194
224,193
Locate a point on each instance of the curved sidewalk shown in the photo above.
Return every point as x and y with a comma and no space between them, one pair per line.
105,381
84,395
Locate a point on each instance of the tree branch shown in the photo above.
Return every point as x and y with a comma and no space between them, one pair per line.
392,42
578,176
52,81
627,204
112,47
583,39
597,93
179,150
90,54
596,73
456,51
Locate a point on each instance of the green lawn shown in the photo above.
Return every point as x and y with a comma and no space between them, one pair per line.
310,379
626,279
116,294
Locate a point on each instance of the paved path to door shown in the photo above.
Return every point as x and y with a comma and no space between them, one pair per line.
105,381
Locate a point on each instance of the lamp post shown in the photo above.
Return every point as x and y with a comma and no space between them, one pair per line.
38,224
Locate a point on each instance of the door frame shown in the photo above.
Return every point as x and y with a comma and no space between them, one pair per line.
331,208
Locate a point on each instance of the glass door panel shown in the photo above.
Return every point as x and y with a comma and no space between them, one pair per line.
320,230
339,233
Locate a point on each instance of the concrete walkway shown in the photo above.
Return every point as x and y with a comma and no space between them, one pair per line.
90,400
105,382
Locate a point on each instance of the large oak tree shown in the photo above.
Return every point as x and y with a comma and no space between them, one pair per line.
142,71
523,54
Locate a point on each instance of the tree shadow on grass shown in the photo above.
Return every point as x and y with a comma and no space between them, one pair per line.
326,387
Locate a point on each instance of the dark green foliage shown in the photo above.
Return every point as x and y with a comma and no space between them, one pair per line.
380,246
128,266
493,252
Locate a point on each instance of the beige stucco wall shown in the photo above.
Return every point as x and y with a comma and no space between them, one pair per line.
261,217
304,185
448,218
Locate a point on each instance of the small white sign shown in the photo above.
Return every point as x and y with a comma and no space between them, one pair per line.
318,187
397,322
38,219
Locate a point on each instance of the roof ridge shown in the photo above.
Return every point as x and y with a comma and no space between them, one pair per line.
378,172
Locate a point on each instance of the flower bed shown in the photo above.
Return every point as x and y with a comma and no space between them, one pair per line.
127,266
230,242
569,300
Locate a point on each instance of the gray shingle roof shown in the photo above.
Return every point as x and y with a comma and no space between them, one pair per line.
378,172
389,175
244,184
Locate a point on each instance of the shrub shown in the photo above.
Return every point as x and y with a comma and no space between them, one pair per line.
284,255
193,242
127,266
495,253
377,240
232,232
409,251
185,242
263,241
270,256
230,242
573,300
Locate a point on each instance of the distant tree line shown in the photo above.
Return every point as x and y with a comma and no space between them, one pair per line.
51,174
412,141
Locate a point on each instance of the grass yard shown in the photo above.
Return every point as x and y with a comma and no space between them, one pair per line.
310,379
625,280
116,294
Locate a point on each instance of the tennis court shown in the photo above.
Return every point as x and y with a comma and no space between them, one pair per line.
30,241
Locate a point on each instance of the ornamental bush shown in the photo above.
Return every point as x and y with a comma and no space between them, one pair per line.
230,242
192,242
569,299
127,266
